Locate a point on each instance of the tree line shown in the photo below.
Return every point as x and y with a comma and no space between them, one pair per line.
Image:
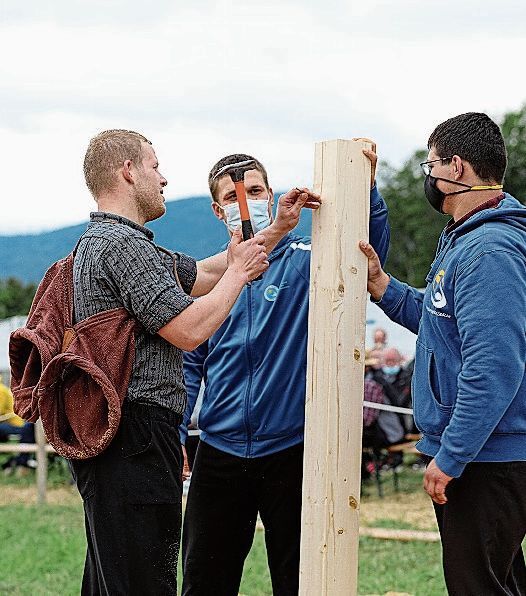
415,226
15,297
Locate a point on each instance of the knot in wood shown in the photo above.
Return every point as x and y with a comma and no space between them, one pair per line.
357,354
341,289
353,503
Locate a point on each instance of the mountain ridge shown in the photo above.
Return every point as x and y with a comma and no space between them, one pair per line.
28,256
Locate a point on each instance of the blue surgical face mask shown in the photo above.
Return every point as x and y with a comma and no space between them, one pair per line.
391,370
259,215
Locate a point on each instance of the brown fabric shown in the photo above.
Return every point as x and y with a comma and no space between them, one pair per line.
74,377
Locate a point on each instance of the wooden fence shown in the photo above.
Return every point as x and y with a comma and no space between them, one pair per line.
41,449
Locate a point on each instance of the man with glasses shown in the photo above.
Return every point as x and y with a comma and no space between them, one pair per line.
469,384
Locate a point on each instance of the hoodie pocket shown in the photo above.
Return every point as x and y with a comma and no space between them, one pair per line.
431,417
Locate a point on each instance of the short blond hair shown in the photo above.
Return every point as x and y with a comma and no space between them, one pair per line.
105,155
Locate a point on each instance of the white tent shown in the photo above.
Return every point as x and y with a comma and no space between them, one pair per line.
6,327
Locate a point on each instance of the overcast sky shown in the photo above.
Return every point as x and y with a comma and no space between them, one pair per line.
205,78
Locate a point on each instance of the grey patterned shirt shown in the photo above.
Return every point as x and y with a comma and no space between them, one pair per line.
117,264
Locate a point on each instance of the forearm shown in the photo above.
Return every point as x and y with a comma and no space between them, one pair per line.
204,316
194,369
272,235
209,272
400,302
187,417
379,231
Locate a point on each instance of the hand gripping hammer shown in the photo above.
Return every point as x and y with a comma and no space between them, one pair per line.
237,173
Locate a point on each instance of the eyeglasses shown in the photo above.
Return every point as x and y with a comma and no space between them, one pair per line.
427,167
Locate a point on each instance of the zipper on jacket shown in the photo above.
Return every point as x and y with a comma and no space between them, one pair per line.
250,371
441,254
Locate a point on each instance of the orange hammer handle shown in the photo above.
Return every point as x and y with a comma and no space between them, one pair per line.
242,200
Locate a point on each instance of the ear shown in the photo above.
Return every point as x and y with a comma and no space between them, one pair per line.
127,171
218,212
270,202
457,168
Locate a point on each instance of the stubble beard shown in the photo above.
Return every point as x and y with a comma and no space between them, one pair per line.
149,202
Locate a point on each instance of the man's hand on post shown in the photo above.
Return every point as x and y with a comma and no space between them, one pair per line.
248,259
435,482
377,278
371,156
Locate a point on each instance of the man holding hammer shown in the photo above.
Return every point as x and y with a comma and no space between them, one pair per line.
132,491
250,456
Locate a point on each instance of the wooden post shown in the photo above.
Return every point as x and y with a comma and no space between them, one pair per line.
335,365
40,440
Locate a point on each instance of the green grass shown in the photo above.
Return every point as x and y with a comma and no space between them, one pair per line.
392,524
256,576
412,567
58,473
385,566
43,550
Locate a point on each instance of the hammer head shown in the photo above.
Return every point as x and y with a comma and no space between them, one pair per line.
236,170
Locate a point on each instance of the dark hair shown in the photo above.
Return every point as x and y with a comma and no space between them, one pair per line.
230,159
475,138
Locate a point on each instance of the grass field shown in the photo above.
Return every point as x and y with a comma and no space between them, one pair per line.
43,547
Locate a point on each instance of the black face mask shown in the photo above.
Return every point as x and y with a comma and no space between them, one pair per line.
433,194
436,197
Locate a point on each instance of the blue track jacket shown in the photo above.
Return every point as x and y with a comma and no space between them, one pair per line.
254,366
469,384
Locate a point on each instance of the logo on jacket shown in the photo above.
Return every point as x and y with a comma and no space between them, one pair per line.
271,293
438,296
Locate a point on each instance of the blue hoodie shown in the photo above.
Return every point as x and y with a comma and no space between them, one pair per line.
469,384
254,366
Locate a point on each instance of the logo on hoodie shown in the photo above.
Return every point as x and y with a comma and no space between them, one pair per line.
438,296
271,293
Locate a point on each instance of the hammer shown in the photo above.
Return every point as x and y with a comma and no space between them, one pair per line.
237,173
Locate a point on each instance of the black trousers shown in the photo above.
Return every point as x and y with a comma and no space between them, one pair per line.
482,527
226,493
132,503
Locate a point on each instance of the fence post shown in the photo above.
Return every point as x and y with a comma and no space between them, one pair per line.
335,364
40,439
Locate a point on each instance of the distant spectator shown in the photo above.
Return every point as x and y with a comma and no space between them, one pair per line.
10,423
375,356
380,338
392,360
21,462
396,382
380,427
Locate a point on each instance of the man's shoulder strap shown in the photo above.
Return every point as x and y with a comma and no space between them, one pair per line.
176,257
60,275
